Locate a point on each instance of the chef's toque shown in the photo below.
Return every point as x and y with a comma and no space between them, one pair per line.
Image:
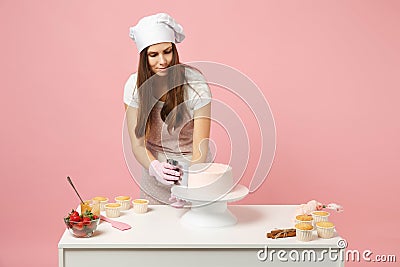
154,29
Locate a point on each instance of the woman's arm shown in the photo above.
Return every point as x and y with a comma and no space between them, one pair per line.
142,155
201,133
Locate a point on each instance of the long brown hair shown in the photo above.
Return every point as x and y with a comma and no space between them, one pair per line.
172,113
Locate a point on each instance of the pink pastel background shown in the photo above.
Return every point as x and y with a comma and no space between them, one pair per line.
329,70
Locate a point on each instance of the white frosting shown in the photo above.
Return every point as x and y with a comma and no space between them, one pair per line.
210,179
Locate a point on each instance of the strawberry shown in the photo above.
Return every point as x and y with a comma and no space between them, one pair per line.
74,213
78,226
86,220
74,218
89,214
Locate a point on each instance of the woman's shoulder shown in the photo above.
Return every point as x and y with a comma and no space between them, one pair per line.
130,94
198,91
131,82
132,77
195,79
193,74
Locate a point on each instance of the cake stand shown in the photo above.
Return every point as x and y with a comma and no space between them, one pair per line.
206,211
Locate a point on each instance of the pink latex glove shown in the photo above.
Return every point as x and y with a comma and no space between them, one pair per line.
313,205
178,203
334,206
164,172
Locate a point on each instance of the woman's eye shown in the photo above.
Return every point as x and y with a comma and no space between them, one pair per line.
168,52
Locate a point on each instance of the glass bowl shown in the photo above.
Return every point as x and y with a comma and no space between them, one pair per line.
83,228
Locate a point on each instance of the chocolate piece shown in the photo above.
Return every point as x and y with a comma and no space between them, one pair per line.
281,233
274,232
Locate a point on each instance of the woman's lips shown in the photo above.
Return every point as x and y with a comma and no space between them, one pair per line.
162,70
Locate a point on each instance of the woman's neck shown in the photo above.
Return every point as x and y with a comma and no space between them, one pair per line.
160,86
159,81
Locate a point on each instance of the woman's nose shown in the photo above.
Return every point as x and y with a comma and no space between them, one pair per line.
162,60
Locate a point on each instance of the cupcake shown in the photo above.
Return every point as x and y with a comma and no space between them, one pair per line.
113,210
140,205
320,216
325,229
102,200
304,231
304,219
125,202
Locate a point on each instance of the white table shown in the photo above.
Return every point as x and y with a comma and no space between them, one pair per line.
158,238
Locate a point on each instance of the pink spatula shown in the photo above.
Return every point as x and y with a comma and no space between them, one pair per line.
119,225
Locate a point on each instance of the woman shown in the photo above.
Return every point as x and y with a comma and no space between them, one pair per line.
168,108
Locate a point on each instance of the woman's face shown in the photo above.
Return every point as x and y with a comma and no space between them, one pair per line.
159,57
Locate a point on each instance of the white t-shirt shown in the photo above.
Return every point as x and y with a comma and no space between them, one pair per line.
197,95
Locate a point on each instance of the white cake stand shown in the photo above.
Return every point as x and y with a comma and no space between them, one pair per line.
209,212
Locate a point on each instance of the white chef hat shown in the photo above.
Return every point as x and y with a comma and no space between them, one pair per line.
154,29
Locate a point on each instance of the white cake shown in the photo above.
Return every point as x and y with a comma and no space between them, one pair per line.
210,179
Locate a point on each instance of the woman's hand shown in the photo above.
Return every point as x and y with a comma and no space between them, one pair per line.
164,172
178,203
